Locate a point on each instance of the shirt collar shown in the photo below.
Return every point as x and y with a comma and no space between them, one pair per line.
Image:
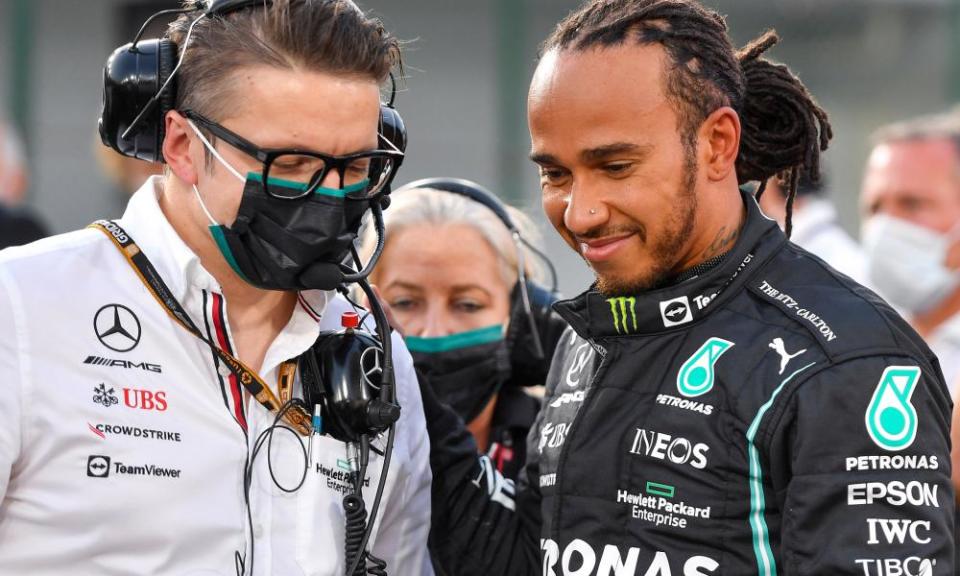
675,307
177,264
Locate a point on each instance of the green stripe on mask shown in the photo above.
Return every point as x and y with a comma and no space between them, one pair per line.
217,233
334,192
455,341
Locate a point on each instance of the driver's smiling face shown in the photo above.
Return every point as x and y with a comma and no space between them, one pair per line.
617,182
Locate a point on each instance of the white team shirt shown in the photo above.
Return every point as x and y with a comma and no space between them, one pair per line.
121,445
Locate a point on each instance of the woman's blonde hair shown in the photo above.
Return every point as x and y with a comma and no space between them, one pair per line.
429,206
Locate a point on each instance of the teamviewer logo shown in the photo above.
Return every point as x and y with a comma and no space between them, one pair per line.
98,466
675,312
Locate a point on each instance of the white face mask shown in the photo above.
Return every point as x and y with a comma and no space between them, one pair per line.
907,263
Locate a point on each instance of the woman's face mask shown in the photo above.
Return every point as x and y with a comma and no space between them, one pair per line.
907,263
273,243
465,370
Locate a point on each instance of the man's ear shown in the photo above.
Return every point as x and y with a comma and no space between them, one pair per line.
720,143
177,146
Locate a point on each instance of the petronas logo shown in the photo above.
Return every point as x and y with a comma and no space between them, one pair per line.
624,311
891,418
696,375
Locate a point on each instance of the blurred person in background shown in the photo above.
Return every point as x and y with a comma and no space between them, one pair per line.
911,232
816,227
17,225
450,271
911,229
125,173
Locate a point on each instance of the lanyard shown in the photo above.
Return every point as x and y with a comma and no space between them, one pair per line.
296,416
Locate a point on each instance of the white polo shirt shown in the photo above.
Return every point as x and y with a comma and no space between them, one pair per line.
123,446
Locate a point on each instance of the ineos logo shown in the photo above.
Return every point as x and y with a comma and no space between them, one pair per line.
117,327
371,366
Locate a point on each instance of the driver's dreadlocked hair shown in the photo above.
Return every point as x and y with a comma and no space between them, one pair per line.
783,128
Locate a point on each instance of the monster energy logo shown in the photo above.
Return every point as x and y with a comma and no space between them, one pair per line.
891,418
618,308
696,375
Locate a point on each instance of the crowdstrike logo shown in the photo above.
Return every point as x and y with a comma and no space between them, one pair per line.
624,312
676,312
101,430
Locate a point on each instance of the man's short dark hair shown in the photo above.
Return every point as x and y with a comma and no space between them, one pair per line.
784,130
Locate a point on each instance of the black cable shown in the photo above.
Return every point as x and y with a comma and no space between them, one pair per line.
143,29
387,394
266,435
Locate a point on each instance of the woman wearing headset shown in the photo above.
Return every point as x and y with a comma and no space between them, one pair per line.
452,271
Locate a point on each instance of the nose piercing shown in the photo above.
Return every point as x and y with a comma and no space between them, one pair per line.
593,211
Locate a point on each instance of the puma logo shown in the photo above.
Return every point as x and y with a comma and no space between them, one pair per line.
785,357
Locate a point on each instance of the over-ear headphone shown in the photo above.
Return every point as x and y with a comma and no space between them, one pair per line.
140,87
534,328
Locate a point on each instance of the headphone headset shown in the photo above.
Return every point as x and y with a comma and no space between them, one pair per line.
140,87
534,328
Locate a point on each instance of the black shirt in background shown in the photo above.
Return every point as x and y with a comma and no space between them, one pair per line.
17,227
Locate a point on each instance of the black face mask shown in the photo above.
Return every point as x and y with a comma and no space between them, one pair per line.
281,244
464,375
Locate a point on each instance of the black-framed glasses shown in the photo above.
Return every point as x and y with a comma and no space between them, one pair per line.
290,174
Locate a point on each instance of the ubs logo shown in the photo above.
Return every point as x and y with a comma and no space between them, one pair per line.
117,327
132,398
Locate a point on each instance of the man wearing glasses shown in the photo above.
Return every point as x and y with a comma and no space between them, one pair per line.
128,443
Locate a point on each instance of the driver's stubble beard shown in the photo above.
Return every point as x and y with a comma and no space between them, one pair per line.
667,250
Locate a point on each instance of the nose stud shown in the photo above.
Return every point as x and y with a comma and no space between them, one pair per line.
593,211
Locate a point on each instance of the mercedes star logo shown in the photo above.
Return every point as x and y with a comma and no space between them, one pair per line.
117,327
371,366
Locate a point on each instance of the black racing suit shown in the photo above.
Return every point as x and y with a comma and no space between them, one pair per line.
768,417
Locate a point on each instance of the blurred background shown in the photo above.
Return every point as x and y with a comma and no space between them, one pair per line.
869,62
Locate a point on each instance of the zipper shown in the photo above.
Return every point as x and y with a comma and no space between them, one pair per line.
562,459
